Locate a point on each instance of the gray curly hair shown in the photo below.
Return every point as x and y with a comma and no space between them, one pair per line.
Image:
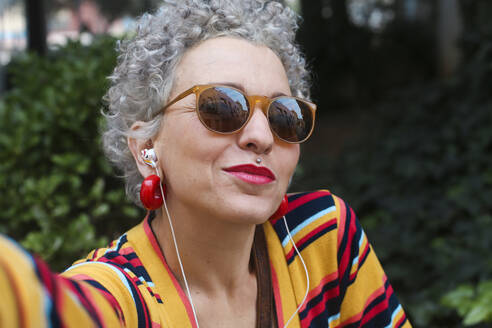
144,75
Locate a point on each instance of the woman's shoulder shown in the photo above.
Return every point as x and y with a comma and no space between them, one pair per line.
337,253
117,261
118,272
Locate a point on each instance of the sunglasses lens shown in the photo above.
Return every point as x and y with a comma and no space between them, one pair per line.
291,119
223,109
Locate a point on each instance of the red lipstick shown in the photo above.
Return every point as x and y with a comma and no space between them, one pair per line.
251,173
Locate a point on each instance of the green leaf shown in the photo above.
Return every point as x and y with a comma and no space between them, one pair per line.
477,314
101,210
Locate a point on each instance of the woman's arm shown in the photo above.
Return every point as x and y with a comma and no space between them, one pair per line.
32,296
367,298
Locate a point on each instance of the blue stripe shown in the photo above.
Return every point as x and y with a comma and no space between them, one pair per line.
307,222
333,318
48,307
361,240
362,234
354,262
117,245
395,312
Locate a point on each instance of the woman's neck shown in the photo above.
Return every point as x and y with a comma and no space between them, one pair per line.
215,253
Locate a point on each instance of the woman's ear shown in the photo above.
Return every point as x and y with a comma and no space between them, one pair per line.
136,146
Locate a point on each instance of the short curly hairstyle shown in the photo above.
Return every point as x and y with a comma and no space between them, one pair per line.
143,77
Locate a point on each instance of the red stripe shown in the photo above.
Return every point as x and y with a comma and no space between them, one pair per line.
135,262
276,294
315,292
346,252
52,284
307,198
378,308
157,249
400,322
45,274
61,286
114,304
341,224
320,307
88,298
81,276
374,311
303,200
304,239
126,251
359,260
364,254
370,299
120,259
108,296
112,244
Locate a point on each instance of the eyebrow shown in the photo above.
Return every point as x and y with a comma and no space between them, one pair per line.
241,87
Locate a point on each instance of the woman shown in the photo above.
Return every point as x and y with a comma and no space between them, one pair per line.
201,110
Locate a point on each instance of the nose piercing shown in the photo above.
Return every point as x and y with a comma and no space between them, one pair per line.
258,160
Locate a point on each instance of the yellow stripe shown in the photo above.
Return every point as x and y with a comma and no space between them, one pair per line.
277,259
29,291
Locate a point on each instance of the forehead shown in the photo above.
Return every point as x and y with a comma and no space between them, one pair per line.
229,60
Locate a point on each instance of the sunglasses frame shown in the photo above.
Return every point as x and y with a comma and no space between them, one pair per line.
253,100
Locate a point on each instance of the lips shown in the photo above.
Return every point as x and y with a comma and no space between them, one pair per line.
251,173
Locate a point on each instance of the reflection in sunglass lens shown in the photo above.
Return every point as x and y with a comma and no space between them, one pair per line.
290,119
223,109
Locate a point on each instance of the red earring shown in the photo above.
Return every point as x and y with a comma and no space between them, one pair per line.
282,209
150,192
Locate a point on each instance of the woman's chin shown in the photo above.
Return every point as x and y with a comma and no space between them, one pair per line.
249,212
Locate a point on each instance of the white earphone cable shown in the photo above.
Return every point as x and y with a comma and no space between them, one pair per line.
178,256
149,158
305,270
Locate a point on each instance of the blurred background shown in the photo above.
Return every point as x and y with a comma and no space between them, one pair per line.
404,135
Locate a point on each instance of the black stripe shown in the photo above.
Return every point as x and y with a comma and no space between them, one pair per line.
300,214
88,306
96,284
54,317
332,306
140,306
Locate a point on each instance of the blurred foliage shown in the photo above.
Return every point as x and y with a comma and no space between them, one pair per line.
472,303
111,9
420,178
59,195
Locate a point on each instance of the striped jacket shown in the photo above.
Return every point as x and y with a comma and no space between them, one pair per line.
130,284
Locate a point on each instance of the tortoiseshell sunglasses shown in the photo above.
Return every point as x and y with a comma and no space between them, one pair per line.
224,109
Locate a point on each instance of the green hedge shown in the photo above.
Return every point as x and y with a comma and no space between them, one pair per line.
58,194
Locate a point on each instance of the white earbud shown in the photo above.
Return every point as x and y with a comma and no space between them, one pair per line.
149,157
